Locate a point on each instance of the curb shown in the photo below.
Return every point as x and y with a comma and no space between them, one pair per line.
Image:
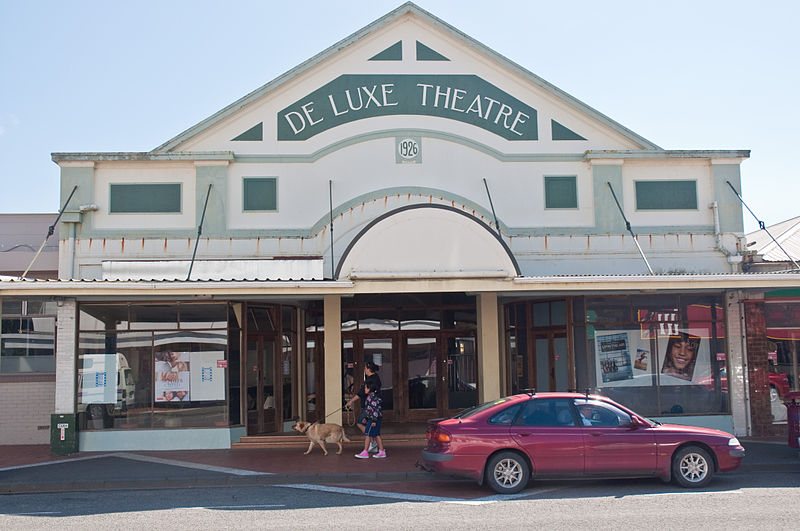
233,481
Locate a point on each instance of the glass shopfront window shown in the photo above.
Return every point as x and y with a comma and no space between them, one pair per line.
668,358
782,320
159,374
28,336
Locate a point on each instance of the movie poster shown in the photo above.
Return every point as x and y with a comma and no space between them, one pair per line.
623,358
686,357
172,377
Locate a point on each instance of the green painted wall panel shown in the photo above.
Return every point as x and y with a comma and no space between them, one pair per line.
465,98
730,208
214,223
254,134
425,53
392,53
608,220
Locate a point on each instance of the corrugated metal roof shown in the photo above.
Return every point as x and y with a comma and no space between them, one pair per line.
786,233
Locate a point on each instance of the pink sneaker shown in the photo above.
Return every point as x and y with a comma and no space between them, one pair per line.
363,455
379,455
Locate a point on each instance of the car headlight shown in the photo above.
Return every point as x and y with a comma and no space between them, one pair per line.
734,442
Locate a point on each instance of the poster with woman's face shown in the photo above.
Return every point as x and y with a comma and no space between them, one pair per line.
686,357
172,377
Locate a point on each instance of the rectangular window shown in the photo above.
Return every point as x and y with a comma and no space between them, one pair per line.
560,192
666,195
161,198
28,336
260,193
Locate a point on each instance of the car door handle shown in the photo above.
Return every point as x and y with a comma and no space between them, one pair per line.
523,434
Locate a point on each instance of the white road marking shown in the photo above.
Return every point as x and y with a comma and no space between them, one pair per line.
370,493
417,497
149,459
187,464
70,460
37,513
261,506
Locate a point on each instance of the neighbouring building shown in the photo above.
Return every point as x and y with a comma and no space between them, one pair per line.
407,197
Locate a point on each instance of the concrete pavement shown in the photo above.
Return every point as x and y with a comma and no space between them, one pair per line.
27,469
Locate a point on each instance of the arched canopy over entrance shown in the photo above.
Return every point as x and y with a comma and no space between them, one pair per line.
427,241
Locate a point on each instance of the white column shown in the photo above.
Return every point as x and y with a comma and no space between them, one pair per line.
333,358
489,375
65,356
737,354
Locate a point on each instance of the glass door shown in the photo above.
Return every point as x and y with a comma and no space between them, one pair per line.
358,350
462,374
552,362
261,417
423,377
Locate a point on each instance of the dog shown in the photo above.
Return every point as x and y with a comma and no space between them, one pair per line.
317,433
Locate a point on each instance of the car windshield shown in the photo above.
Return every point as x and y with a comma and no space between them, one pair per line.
483,407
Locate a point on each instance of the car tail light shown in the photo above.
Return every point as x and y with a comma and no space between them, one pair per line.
443,437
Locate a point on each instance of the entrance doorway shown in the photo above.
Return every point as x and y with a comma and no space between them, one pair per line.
537,342
270,368
441,375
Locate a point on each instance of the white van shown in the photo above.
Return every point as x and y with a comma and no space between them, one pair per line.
95,396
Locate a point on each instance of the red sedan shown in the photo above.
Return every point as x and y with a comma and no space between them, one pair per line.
506,442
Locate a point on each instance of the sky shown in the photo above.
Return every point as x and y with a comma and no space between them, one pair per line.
105,76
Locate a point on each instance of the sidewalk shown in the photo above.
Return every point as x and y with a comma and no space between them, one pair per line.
27,469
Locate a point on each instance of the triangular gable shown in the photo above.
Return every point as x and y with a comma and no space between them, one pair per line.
574,112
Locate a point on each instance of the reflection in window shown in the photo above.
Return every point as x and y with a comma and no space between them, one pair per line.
27,336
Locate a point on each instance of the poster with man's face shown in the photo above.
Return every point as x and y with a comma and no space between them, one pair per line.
685,358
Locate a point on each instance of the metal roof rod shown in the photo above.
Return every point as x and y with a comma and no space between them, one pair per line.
199,232
50,231
496,224
762,226
628,226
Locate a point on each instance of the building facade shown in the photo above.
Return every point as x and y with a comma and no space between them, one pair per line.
407,197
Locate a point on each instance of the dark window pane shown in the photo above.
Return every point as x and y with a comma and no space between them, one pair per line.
666,195
145,198
560,192
260,193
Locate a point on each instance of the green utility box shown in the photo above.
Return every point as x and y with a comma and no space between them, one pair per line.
63,434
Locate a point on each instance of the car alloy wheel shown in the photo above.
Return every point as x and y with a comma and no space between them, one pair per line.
692,467
507,473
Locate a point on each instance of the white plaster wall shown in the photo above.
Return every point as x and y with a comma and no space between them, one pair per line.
143,172
463,60
427,241
517,188
668,170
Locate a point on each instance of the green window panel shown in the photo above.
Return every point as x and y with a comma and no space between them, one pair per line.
260,193
666,195
392,53
561,192
162,198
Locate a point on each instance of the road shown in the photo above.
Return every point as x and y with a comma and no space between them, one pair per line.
741,501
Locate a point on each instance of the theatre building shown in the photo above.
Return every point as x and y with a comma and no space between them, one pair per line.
407,197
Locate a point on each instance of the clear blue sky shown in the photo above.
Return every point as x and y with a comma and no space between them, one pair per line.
126,76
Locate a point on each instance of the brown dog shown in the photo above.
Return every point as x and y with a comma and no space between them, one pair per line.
317,433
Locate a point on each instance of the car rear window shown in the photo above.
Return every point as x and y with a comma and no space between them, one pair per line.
483,407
